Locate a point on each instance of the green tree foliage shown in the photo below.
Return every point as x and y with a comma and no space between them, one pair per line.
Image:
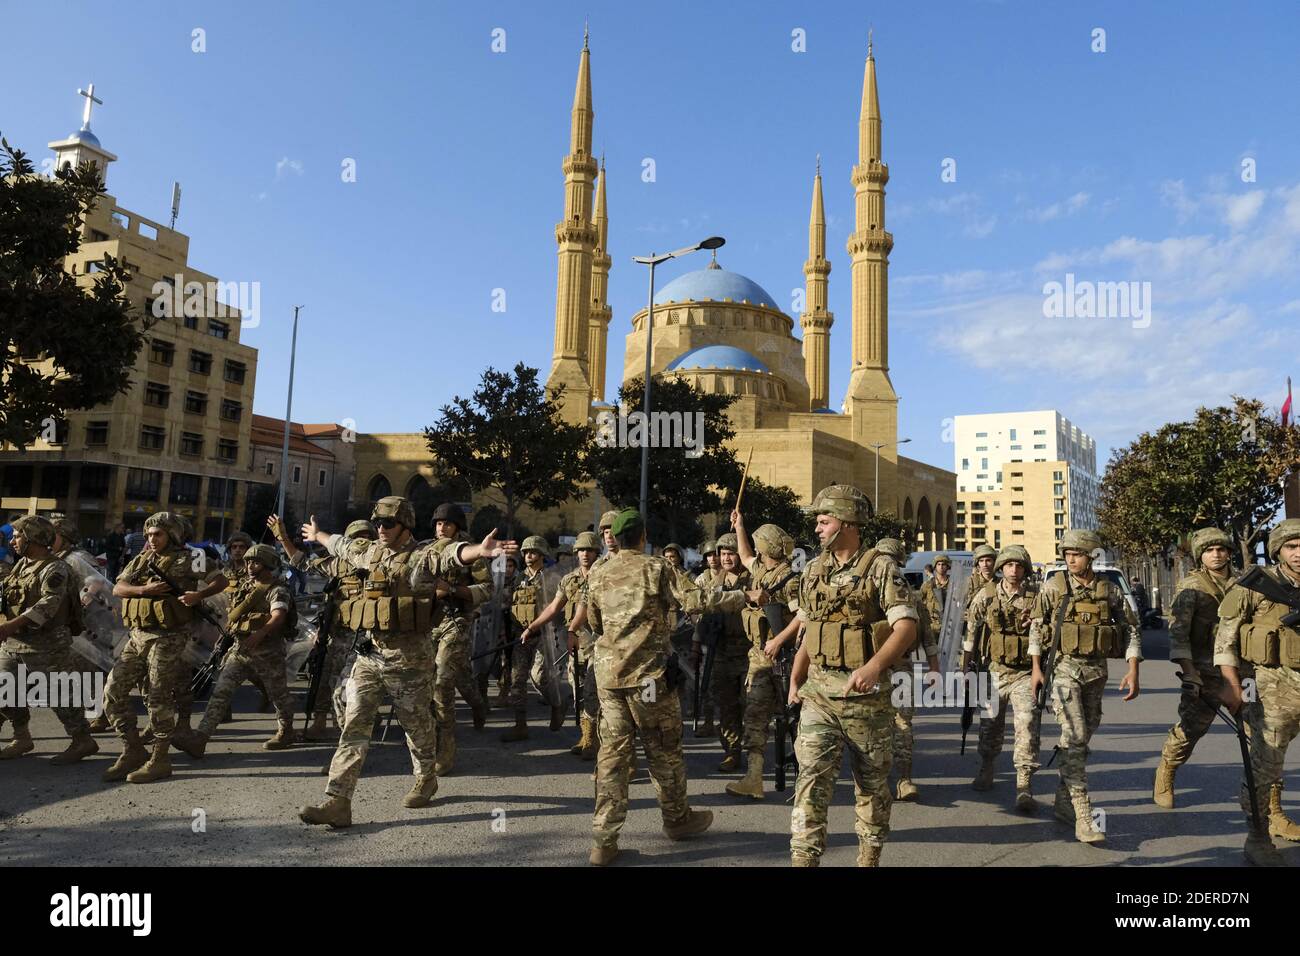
768,504
79,342
509,436
886,524
1224,468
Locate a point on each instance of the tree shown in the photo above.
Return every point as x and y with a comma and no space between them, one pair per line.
1224,468
86,335
682,486
768,504
510,437
886,524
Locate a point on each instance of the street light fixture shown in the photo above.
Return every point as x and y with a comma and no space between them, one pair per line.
652,260
877,445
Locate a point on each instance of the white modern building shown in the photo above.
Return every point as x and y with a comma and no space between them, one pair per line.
983,444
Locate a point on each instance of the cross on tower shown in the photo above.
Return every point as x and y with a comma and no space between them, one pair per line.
91,98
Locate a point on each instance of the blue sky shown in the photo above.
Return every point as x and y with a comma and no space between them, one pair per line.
1123,165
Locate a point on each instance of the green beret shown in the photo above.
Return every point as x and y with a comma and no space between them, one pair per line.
628,519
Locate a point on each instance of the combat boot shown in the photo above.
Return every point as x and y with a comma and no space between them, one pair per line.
83,745
194,743
133,756
21,744
696,821
751,784
592,749
503,692
1260,851
146,735
730,763
706,730
1064,807
603,855
100,725
282,740
868,855
336,812
482,681
905,789
1025,792
421,792
159,766
1085,831
1162,794
519,731
479,712
446,754
803,859
1279,824
585,741
318,729
557,717
984,777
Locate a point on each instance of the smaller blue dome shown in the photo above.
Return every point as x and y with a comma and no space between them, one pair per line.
87,137
822,411
717,356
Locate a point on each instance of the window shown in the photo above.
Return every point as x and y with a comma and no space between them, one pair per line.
220,330
157,394
196,403
1017,448
974,505
160,351
152,437
200,362
1058,489
191,321
965,464
94,481
1012,436
148,231
1040,447
1060,504
297,474
981,434
961,506
227,449
270,467
984,464
320,478
1017,517
120,219
1060,520
97,236
999,477
981,476
222,488
1040,431
231,411
96,433
94,266
981,447
235,372
191,444
184,489
1056,475
142,484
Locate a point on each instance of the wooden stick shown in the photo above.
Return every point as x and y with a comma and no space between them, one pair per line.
744,477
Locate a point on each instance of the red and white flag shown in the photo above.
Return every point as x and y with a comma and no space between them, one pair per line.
1286,406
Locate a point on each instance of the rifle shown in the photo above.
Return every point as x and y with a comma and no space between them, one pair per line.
206,674
325,619
1257,580
968,707
710,632
787,718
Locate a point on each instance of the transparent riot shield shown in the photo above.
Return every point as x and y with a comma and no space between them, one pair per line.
485,632
953,625
104,634
550,667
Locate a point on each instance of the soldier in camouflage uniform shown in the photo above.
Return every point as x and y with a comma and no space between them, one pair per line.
339,656
934,592
905,704
38,615
525,604
982,574
858,621
769,571
261,609
630,599
1096,624
570,601
394,616
1195,615
710,577
731,659
1250,629
460,594
997,634
159,622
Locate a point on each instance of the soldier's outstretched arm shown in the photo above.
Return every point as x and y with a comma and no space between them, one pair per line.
693,599
547,615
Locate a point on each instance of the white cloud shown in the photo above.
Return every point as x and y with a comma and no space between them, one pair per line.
1066,207
1240,210
287,165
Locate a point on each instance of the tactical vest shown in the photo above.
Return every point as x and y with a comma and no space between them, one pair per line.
733,625
22,591
1265,639
1205,614
387,602
1007,637
754,619
1089,628
572,599
525,601
250,610
163,612
837,635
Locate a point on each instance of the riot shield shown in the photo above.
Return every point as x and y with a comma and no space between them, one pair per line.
101,640
485,632
954,614
550,667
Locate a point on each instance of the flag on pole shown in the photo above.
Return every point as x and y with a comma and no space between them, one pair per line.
1286,406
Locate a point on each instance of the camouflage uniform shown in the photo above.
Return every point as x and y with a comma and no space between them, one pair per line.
997,629
706,579
39,592
848,611
631,598
574,586
730,667
529,598
1250,629
933,598
1098,624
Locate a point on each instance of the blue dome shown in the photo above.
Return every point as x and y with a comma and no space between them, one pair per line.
823,411
716,284
87,137
717,356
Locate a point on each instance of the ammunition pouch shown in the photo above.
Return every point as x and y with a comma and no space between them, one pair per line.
843,646
1091,632
163,613
1008,643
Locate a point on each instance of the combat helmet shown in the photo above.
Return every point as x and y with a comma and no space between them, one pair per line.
841,501
361,528
709,547
1288,530
449,511
607,520
169,523
243,536
892,547
728,542
587,541
36,529
66,527
1081,539
985,551
399,509
264,555
1013,552
772,541
1207,538
673,546
535,542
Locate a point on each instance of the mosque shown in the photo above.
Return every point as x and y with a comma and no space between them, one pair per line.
724,333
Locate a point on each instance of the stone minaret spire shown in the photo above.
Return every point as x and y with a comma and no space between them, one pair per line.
601,313
576,237
816,320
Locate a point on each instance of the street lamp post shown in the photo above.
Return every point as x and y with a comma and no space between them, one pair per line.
877,445
288,414
652,260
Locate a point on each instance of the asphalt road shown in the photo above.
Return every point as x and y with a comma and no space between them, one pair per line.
530,803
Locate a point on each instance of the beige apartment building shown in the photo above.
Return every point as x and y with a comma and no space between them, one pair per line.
322,465
179,438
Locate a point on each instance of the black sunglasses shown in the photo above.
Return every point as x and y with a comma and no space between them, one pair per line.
385,523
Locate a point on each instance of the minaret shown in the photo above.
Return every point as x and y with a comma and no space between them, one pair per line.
601,313
576,237
816,321
871,398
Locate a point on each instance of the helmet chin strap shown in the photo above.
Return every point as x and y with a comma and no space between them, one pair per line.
830,543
